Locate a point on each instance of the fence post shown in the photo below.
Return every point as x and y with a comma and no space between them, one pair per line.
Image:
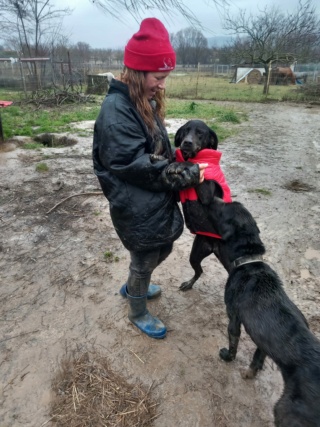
53,72
198,73
268,80
22,78
70,71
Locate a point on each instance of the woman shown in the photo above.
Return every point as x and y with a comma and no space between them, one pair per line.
131,152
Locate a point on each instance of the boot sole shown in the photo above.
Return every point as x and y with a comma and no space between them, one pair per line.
159,337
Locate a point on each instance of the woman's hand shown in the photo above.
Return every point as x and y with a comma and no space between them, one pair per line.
202,167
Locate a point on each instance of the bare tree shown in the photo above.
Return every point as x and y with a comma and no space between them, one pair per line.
81,52
103,55
32,23
273,35
59,48
191,46
166,7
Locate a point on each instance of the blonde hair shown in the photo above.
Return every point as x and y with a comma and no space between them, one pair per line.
135,81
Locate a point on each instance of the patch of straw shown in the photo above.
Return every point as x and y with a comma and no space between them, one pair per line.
88,393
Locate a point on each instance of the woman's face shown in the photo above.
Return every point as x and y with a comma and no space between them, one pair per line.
154,81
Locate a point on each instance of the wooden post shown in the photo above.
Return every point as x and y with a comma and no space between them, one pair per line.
23,79
53,73
198,73
268,80
3,104
1,130
70,71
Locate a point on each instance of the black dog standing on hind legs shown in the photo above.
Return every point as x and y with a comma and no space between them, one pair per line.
198,143
255,297
254,293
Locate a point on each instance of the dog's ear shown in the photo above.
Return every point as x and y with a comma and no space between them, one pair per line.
213,139
179,136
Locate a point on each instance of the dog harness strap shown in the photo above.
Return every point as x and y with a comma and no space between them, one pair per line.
207,233
246,260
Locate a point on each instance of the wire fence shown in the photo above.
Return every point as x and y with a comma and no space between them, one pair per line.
34,74
40,73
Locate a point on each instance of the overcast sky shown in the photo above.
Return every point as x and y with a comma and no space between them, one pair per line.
90,25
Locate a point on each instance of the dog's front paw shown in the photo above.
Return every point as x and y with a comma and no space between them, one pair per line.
248,374
177,168
170,168
225,355
156,158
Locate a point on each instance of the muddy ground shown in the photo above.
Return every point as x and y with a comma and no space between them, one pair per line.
61,270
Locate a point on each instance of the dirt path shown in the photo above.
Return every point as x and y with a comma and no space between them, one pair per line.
59,292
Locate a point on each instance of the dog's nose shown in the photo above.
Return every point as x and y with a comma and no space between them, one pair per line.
187,142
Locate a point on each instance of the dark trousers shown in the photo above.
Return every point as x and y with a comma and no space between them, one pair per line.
141,267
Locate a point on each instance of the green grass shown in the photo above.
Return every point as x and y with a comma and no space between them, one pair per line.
262,191
42,167
26,120
9,95
178,108
32,146
215,116
188,96
110,257
208,87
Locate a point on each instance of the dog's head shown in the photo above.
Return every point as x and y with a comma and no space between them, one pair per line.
194,136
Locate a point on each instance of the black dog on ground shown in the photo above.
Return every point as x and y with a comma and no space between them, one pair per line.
255,298
197,142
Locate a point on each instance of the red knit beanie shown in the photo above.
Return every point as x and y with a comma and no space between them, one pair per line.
150,49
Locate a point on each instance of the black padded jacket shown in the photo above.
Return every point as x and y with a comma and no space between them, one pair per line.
141,196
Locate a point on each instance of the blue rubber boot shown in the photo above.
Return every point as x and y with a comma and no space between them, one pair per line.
154,291
142,319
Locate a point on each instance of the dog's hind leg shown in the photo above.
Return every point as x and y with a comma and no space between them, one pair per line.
201,248
234,331
255,366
